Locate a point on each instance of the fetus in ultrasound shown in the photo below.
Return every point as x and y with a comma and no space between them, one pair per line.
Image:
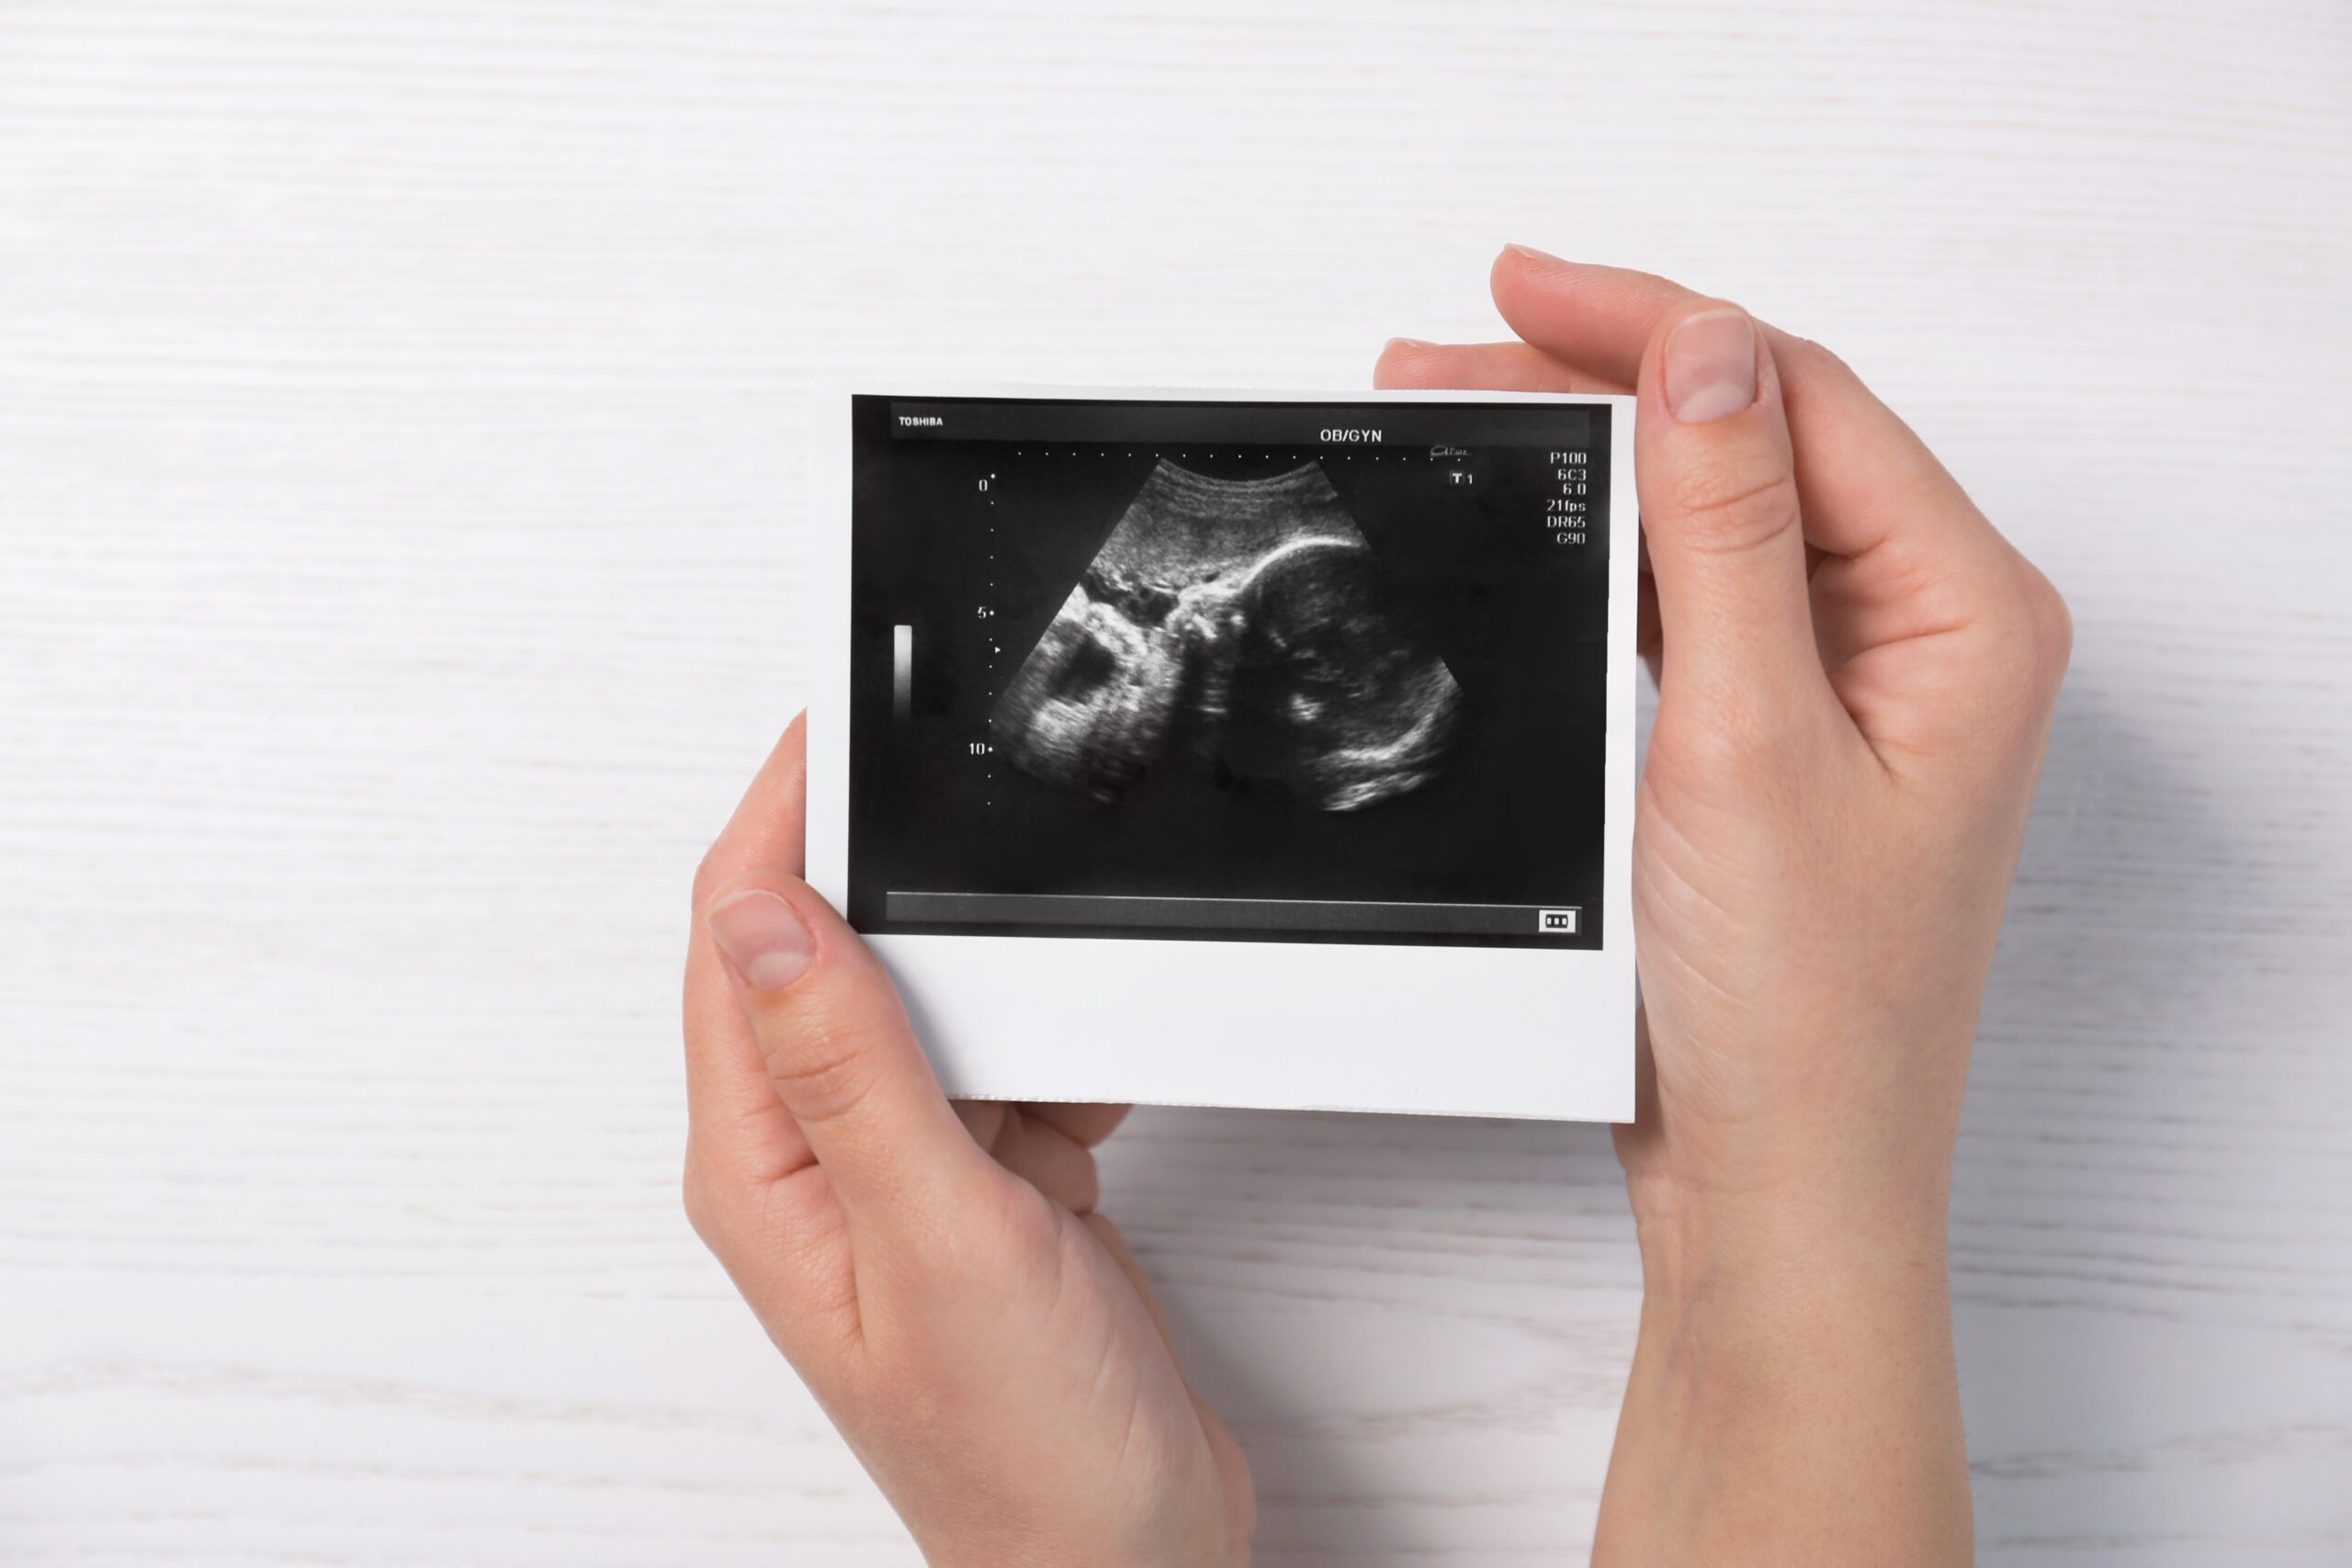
1236,626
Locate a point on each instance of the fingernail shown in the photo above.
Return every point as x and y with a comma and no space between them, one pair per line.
1407,343
1528,252
1710,365
763,938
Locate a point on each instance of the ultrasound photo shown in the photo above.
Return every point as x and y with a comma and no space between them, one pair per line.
1188,672
1232,625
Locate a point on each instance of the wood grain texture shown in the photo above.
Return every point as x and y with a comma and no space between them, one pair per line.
400,459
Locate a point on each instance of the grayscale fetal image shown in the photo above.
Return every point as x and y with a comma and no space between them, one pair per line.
1240,620
1331,673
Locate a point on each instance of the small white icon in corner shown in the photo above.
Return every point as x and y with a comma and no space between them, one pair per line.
1556,923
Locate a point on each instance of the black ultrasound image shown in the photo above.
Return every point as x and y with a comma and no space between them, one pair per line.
1192,672
1234,626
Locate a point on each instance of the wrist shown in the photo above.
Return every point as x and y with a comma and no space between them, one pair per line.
1793,1391
1780,1322
1790,1245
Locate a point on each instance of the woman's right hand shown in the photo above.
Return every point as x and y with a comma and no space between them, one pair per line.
935,1272
1856,679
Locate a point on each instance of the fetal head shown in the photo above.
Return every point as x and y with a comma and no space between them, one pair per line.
1316,619
1333,695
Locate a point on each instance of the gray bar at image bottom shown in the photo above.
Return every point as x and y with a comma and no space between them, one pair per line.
1234,914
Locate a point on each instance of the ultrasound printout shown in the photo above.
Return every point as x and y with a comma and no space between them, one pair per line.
1194,671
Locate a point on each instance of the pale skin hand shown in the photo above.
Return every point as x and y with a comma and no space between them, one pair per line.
937,1274
1856,679
1857,683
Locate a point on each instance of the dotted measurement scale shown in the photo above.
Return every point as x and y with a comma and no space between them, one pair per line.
988,613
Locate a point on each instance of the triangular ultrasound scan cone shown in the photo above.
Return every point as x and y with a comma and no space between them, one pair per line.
1232,631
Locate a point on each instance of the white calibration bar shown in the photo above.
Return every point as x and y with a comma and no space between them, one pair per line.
902,669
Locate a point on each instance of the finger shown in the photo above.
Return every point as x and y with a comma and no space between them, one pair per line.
1716,474
1495,366
982,1118
1931,621
1648,642
736,1122
842,1058
770,822
1087,1125
1509,368
1598,318
1044,1155
1863,475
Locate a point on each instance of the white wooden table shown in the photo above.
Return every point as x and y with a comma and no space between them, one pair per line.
400,453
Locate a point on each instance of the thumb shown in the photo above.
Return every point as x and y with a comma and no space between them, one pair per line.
1717,477
842,1055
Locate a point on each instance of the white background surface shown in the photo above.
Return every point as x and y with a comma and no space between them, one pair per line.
398,472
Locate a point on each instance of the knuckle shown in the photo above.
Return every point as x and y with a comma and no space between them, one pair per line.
1727,507
821,1065
1084,1188
2035,628
709,877
1105,1229
2052,626
1808,357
